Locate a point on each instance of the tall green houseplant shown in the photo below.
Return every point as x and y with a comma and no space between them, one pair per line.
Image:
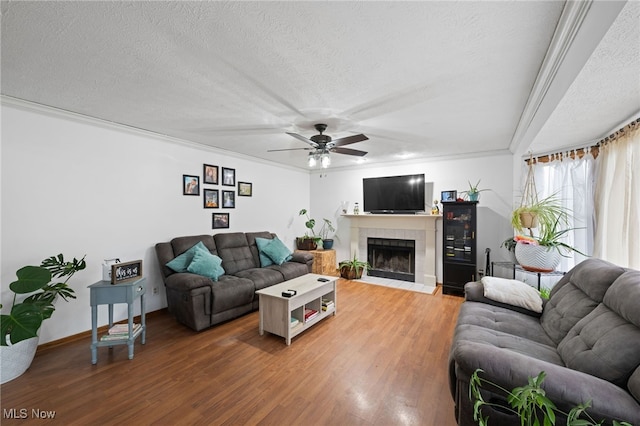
26,316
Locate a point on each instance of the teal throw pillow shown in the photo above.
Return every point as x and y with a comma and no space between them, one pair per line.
182,262
206,264
277,251
264,259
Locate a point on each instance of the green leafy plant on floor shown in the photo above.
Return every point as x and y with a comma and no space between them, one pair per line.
529,403
353,268
26,317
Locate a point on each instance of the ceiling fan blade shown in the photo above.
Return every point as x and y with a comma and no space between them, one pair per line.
303,139
349,140
349,151
290,149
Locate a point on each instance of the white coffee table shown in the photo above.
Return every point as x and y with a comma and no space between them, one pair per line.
276,310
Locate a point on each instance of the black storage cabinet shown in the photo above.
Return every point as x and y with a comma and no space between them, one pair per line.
458,245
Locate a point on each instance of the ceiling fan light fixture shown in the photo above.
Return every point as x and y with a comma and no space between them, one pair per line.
311,159
325,160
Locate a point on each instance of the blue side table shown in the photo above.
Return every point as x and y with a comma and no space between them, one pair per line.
103,292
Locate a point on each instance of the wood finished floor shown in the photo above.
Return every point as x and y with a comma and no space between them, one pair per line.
381,361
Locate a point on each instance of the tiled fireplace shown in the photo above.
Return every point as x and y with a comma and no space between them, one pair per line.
419,228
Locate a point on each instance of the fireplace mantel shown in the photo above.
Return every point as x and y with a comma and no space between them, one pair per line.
418,223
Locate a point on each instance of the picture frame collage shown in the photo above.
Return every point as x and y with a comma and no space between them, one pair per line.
214,198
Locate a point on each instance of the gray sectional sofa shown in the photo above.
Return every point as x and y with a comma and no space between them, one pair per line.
586,340
200,302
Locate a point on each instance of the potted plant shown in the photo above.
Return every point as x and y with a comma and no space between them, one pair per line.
510,245
352,269
541,253
20,326
529,403
473,192
543,214
310,240
325,232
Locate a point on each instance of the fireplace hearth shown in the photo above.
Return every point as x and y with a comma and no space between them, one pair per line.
392,258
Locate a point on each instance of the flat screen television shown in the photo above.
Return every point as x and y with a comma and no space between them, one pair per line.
394,194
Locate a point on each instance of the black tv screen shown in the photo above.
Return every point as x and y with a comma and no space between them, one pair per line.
394,194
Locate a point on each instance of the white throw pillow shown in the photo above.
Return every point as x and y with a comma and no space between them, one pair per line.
512,292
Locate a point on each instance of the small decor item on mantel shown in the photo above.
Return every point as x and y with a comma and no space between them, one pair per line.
352,269
356,209
435,210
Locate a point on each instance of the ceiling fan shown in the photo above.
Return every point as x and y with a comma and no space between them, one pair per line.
322,145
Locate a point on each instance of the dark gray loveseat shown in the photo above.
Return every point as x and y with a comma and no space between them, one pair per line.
199,302
587,340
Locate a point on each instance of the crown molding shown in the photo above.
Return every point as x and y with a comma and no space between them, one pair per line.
581,27
111,125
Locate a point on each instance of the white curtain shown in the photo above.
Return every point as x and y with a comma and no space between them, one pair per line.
572,182
617,201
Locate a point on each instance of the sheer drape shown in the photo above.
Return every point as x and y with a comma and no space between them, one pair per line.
617,201
572,181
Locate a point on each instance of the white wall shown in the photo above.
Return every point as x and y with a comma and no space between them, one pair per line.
330,187
80,187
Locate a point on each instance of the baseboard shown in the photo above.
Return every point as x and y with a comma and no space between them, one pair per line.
87,334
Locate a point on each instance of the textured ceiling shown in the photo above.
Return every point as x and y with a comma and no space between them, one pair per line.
420,79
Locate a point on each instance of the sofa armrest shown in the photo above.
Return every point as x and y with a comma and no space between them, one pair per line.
474,292
565,387
185,281
301,257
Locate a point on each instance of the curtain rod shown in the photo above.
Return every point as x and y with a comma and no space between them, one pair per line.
581,152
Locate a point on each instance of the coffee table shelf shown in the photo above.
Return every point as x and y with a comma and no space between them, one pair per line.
276,310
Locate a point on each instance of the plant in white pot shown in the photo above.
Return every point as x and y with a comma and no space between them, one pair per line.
542,253
20,326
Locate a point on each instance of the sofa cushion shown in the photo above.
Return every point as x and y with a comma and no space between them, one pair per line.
604,345
291,270
503,321
206,264
577,294
274,249
262,277
634,384
181,263
231,292
234,250
512,292
182,244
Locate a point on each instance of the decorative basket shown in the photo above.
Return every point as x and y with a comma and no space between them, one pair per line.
537,258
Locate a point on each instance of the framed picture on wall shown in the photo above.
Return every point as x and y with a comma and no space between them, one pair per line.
220,220
190,185
245,189
228,199
228,176
211,198
210,174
